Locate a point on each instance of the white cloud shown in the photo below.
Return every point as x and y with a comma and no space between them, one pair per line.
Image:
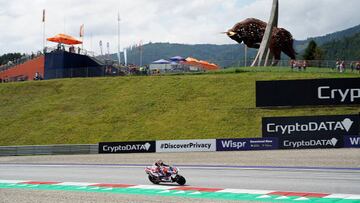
180,21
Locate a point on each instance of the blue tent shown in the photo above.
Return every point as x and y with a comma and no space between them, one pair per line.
161,61
177,58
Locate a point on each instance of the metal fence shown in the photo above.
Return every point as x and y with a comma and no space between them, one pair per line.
48,150
19,61
331,64
109,70
106,71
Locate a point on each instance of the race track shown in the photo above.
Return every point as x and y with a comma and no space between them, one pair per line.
321,180
324,178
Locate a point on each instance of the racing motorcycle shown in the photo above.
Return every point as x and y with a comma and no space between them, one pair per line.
169,174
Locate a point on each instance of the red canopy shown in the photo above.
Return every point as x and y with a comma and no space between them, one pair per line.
64,39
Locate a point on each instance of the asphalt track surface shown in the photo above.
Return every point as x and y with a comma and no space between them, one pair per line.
322,180
334,175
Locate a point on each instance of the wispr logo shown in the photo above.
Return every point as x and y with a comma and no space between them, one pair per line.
233,144
247,144
355,140
352,141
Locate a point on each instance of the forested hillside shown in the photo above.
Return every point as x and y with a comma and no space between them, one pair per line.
343,44
347,48
223,55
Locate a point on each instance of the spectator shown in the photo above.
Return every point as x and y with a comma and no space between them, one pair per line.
358,66
338,65
342,66
72,49
352,66
304,65
38,76
299,65
292,64
108,70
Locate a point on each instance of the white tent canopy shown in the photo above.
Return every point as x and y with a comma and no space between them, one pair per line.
161,61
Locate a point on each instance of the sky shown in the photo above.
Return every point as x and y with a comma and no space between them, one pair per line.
174,21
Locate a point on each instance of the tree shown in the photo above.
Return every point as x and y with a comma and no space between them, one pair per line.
318,54
9,57
310,51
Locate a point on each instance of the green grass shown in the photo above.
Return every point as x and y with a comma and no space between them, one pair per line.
91,110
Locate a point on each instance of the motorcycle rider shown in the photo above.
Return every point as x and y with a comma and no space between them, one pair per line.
160,167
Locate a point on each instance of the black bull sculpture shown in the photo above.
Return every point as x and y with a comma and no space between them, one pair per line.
251,32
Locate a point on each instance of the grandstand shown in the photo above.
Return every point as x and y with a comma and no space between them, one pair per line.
55,63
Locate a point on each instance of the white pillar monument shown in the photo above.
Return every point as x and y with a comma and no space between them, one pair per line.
264,51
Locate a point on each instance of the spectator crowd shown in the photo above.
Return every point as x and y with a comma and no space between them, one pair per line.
341,66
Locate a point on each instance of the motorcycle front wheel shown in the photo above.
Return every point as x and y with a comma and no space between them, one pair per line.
180,180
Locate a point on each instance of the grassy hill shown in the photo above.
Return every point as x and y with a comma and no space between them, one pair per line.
90,110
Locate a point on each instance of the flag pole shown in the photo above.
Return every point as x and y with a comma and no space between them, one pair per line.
245,53
108,50
44,41
140,50
119,56
101,48
82,32
91,42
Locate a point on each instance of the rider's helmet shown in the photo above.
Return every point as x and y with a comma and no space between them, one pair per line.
159,162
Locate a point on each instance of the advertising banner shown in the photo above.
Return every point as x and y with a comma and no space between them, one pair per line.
352,141
310,125
247,144
337,91
311,142
206,145
127,147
